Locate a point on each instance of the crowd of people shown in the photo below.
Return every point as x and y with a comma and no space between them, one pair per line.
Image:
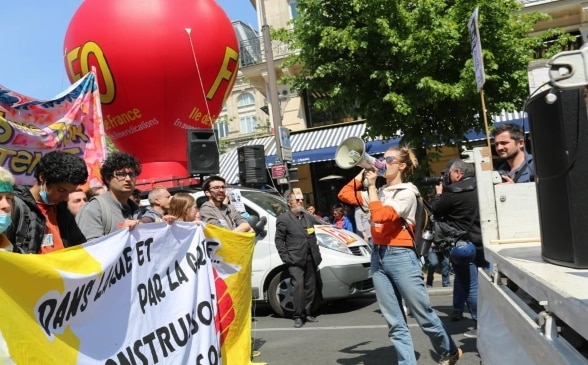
56,213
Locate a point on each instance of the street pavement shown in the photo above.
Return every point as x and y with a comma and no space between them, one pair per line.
352,332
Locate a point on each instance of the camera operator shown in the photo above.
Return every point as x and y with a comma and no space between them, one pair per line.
456,203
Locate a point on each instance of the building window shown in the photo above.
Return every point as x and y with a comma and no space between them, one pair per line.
245,99
248,124
293,9
221,127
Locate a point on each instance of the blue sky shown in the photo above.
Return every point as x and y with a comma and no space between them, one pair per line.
33,31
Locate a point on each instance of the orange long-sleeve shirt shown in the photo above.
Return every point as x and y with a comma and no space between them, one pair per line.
387,226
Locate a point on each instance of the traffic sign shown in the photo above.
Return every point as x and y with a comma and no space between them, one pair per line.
279,170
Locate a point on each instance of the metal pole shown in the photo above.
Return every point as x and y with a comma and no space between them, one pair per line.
272,85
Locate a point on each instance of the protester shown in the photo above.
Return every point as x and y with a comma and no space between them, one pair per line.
457,205
136,196
76,201
114,209
41,222
340,220
363,224
183,207
93,191
395,267
216,212
509,143
438,257
298,248
311,209
159,200
6,198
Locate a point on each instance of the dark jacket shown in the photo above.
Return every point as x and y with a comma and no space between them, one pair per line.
525,172
28,223
296,239
458,206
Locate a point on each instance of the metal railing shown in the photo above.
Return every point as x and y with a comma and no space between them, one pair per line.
535,2
252,51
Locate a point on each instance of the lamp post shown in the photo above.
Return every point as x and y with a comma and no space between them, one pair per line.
272,85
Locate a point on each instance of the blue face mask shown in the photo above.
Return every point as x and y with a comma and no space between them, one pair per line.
5,221
44,197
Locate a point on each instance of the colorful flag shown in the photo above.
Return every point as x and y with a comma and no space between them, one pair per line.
71,122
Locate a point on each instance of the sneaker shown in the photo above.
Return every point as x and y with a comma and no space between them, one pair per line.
456,316
255,354
451,359
472,333
298,323
311,319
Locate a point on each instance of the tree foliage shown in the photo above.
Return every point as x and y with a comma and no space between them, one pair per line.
406,66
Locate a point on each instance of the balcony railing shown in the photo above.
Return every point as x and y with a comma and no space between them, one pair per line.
252,51
535,2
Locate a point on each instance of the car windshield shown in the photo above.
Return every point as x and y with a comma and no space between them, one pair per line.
272,204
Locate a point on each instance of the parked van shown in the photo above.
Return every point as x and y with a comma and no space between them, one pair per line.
346,257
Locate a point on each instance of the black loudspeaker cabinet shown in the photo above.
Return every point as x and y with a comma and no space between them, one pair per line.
252,164
203,157
559,136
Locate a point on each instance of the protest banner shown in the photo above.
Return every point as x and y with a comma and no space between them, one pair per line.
156,294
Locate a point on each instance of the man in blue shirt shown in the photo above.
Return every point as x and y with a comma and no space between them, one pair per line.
509,142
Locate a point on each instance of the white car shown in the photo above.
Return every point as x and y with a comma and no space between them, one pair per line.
346,257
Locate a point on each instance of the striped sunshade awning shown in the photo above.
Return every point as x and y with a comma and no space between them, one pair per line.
308,146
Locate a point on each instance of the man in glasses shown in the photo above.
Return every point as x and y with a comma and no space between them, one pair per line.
114,209
216,212
298,248
41,221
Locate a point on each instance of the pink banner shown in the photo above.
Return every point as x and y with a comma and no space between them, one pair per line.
71,122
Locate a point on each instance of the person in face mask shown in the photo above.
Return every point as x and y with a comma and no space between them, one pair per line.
41,220
6,195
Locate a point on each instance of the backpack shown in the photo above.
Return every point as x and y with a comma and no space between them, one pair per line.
22,231
421,233
105,213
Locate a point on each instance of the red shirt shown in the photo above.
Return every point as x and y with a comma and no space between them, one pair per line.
52,238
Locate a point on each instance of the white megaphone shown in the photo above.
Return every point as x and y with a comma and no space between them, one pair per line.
351,153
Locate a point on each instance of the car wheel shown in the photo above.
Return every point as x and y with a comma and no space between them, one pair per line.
281,295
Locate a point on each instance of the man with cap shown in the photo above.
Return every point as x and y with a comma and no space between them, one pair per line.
457,205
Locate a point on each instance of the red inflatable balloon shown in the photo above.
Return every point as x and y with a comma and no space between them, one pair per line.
163,67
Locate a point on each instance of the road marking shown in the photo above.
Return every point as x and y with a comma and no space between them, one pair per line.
257,329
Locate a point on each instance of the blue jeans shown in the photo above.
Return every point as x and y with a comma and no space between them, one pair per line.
397,271
465,289
434,258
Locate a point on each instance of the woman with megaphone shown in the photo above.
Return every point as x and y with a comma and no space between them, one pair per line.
395,268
